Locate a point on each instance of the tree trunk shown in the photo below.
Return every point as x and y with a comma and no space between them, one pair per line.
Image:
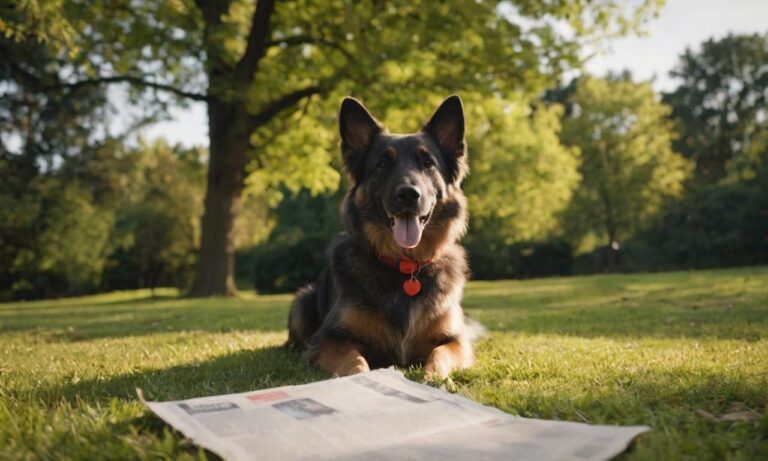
614,252
613,255
229,141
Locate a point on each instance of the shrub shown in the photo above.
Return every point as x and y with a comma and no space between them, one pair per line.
490,259
279,267
725,225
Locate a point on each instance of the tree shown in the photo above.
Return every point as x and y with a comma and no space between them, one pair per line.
75,244
157,224
253,63
38,133
628,167
721,106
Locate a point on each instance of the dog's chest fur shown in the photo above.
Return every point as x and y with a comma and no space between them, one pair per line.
398,329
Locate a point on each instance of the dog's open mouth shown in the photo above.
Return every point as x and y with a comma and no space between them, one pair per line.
408,227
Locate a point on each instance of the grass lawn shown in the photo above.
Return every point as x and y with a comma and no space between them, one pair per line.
655,349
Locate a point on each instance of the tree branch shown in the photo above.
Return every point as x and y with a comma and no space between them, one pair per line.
308,40
40,85
279,105
212,10
133,80
257,40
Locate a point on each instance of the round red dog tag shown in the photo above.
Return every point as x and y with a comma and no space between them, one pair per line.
412,287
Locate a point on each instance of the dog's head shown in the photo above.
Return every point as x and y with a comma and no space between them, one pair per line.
405,193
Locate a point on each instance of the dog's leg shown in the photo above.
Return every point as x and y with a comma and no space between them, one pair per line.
453,355
341,358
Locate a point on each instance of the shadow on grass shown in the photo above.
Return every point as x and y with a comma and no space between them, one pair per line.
241,371
151,424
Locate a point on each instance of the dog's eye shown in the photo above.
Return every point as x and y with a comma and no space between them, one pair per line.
382,163
428,163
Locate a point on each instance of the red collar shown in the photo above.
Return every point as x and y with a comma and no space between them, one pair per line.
412,286
405,265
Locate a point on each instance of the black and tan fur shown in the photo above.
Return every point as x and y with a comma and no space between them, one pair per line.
356,316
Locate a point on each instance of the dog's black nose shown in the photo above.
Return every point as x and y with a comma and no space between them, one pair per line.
408,195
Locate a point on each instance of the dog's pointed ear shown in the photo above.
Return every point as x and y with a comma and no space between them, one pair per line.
357,125
357,128
446,127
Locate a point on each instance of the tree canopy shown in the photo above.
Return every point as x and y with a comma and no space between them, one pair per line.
721,106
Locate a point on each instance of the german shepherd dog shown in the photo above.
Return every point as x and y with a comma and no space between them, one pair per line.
391,294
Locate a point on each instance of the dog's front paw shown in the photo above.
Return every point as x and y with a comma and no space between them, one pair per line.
435,371
445,359
354,366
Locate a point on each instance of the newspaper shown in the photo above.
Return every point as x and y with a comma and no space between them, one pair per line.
379,415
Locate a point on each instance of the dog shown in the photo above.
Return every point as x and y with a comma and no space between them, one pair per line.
391,294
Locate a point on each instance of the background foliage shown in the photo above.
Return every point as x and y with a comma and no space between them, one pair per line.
561,168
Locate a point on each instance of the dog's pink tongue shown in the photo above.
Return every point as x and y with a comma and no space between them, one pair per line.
407,231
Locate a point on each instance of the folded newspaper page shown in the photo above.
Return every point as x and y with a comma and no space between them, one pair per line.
379,415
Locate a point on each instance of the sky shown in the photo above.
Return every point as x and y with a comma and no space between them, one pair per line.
681,24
